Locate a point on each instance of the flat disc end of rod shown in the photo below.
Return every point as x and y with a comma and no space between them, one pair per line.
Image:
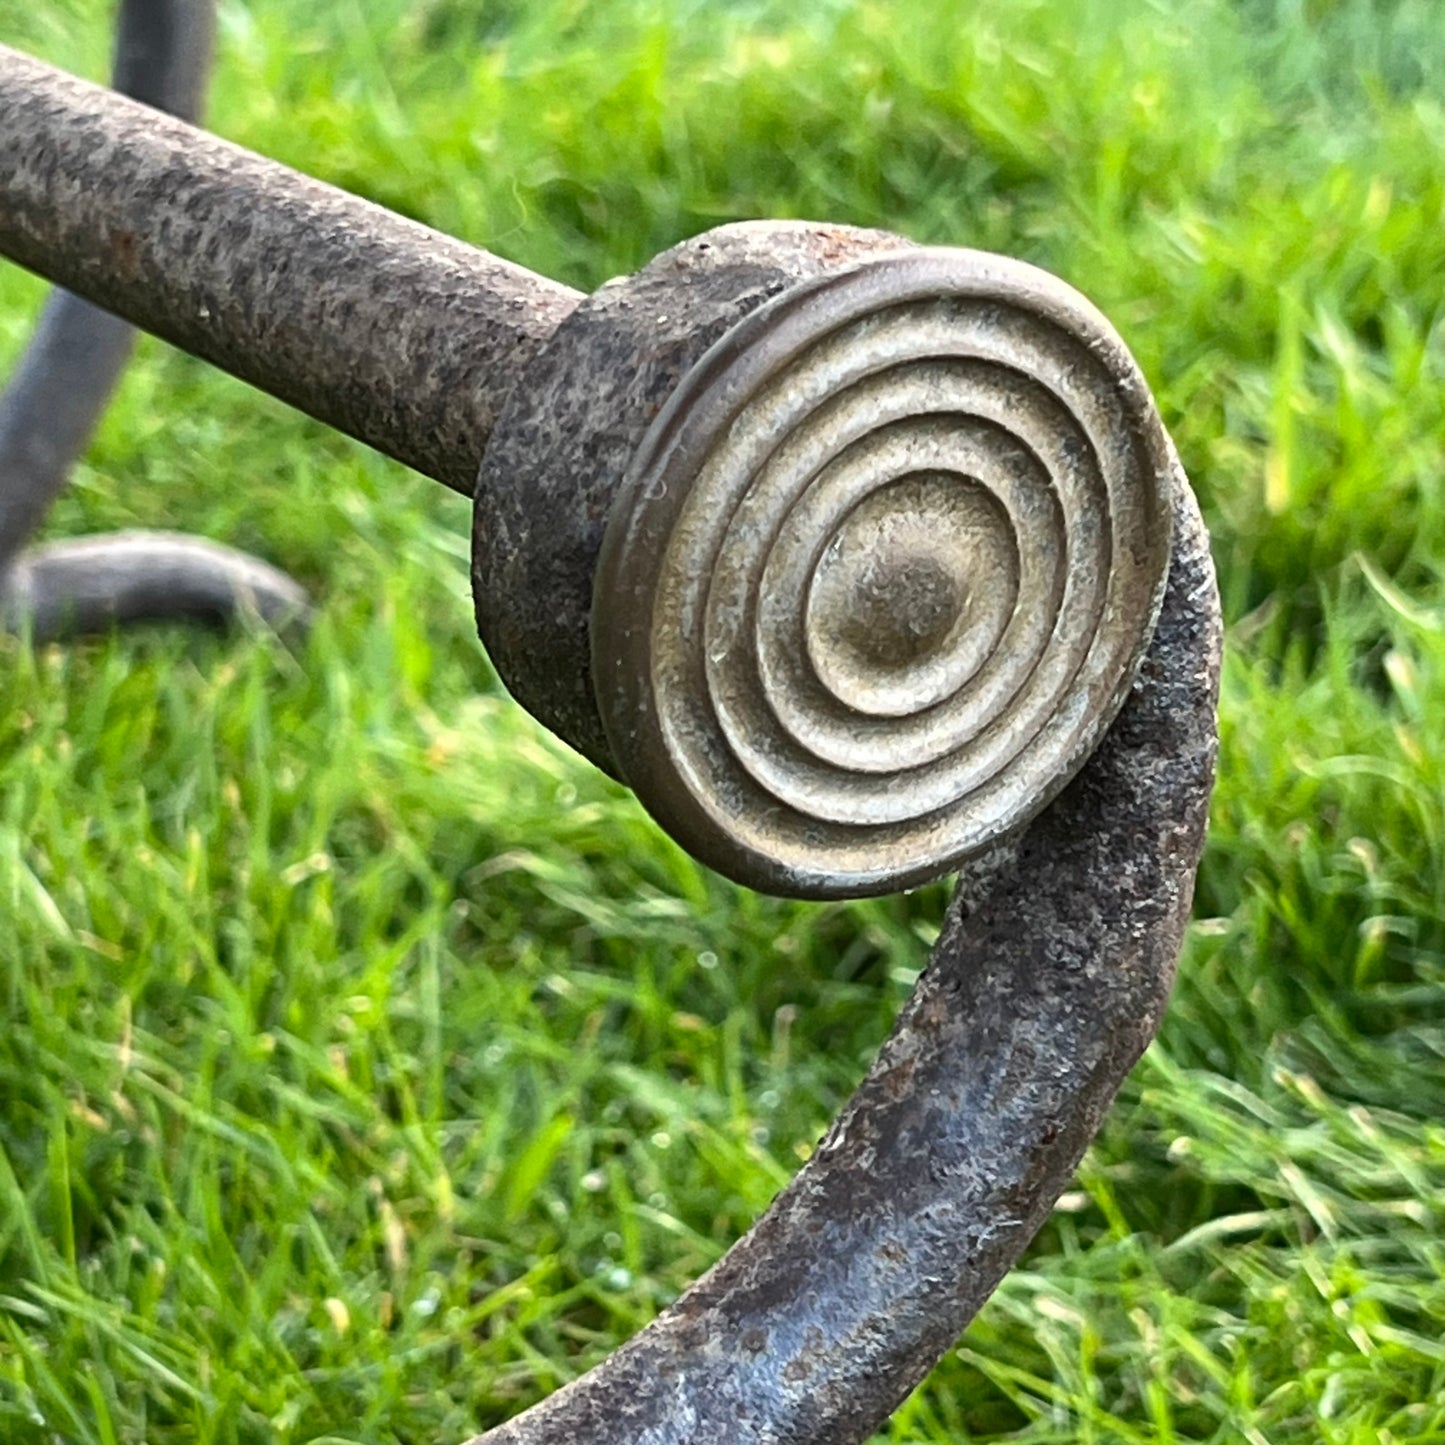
881,572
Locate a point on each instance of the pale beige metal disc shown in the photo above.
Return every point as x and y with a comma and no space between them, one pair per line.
881,572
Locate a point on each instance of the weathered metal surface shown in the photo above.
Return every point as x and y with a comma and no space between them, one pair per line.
571,428
881,572
51,404
1047,982
389,331
886,530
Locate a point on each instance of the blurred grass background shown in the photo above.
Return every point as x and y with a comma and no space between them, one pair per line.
370,1066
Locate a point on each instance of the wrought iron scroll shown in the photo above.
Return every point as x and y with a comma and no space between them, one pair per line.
862,563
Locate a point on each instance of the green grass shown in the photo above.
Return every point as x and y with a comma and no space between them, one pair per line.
371,1066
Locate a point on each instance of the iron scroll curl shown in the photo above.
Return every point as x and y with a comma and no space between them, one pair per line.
1058,951
600,426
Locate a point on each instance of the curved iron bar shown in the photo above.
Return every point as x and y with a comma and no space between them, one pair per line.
58,392
93,584
1048,981
1056,956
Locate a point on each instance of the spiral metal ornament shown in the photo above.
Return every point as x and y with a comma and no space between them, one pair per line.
881,572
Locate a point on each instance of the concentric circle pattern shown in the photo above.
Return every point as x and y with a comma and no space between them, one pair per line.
881,573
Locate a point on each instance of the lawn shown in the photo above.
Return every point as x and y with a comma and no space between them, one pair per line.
371,1065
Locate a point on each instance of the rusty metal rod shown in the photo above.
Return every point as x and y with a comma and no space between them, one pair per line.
400,336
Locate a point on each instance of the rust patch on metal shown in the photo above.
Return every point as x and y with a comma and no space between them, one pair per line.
125,254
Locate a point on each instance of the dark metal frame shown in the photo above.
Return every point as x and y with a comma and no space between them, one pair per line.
57,394
1058,951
